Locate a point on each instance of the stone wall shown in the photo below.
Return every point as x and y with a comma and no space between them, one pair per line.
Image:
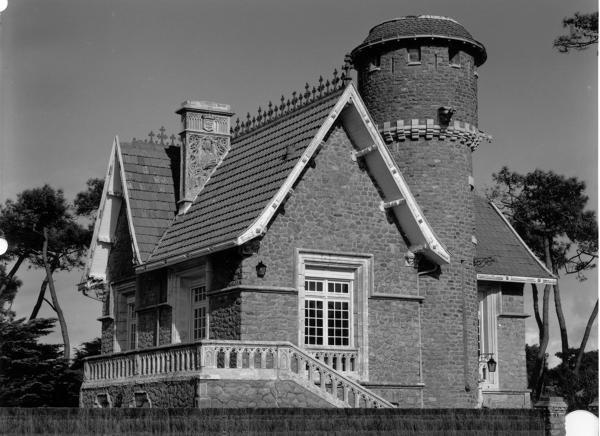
212,393
225,316
394,350
106,337
269,316
402,91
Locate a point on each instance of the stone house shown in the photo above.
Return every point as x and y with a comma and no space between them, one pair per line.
331,251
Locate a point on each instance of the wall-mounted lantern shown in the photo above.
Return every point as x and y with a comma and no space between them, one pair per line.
491,364
261,270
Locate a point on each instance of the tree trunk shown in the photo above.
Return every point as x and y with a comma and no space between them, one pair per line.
536,311
541,356
59,313
564,339
42,293
586,335
40,299
12,273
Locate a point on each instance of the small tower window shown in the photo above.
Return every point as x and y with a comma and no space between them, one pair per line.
414,55
375,63
454,57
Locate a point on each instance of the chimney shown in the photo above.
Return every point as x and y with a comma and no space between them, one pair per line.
205,139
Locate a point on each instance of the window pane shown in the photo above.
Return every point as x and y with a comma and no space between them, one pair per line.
338,333
313,285
199,294
313,313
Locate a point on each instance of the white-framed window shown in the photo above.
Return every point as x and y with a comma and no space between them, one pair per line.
199,315
328,308
489,307
131,324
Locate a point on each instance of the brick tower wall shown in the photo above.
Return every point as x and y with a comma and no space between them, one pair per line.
437,172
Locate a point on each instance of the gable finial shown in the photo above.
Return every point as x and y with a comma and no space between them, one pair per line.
306,92
172,138
335,79
282,105
347,66
161,136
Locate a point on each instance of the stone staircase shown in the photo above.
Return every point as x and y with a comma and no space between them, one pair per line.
232,360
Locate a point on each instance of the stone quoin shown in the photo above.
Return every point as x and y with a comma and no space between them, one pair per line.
328,251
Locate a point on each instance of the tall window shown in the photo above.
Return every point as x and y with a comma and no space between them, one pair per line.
199,325
328,308
488,339
131,323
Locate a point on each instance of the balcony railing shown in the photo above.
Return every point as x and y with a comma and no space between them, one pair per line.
238,359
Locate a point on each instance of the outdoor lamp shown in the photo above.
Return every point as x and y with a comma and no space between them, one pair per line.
3,243
261,269
491,364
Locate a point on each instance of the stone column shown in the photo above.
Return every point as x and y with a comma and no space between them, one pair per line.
555,411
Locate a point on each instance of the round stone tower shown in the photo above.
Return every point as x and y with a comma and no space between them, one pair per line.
417,76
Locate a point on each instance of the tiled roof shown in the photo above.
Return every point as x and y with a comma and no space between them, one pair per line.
151,191
422,25
249,176
498,250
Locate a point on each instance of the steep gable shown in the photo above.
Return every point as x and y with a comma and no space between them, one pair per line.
137,205
256,176
501,255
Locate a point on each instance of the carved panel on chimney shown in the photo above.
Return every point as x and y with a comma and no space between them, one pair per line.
204,152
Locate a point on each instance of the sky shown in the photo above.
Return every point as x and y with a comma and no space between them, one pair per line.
73,74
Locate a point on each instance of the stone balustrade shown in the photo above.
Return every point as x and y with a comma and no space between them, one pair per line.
325,373
344,361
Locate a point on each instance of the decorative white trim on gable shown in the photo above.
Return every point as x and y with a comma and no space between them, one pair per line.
114,195
515,279
371,147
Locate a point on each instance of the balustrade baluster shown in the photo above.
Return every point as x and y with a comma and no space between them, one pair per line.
238,363
356,398
251,354
227,357
345,390
323,382
263,359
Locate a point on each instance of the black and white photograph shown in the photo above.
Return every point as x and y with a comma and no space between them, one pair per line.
299,217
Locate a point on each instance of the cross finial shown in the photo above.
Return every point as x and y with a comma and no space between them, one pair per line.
172,138
151,135
161,136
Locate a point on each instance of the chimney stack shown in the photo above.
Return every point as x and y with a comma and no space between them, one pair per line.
205,139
